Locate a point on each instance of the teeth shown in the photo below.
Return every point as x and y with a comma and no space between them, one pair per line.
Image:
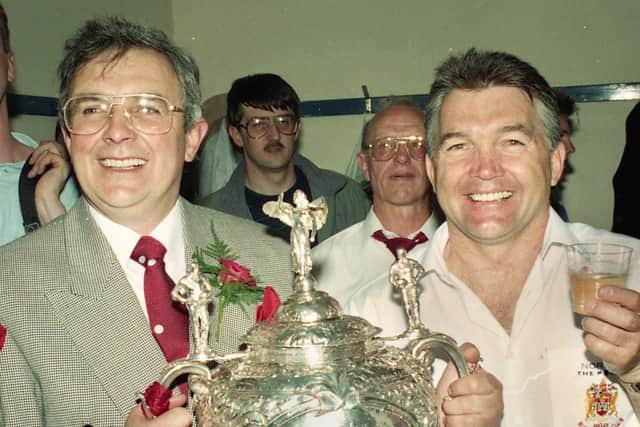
124,163
490,197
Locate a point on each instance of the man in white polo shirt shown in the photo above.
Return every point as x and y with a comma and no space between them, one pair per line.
497,271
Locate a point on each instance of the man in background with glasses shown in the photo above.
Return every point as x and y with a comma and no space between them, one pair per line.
392,161
263,116
86,317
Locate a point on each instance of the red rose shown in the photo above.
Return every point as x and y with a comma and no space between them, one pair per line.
156,399
269,306
232,272
3,335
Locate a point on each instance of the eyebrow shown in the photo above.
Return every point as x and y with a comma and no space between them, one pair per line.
517,128
505,129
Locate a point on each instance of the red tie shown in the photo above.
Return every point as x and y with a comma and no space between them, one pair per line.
395,243
167,318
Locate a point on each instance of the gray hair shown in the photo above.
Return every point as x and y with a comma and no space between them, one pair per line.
474,70
119,35
393,102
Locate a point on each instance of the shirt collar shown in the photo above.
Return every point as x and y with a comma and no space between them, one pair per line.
123,239
557,233
372,224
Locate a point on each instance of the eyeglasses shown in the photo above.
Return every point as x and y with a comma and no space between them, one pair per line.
286,124
87,114
385,148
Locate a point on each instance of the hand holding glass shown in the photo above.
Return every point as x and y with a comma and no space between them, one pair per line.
593,265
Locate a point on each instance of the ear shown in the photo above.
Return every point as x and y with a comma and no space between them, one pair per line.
11,67
236,136
361,158
431,172
66,136
299,129
557,163
194,138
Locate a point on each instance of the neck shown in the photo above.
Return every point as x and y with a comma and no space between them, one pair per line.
403,220
496,273
11,151
142,219
270,182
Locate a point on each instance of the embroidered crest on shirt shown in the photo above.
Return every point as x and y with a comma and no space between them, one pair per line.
601,408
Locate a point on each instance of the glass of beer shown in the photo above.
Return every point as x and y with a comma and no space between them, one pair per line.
592,265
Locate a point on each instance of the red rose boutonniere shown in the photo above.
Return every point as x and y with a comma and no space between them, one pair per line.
234,282
269,306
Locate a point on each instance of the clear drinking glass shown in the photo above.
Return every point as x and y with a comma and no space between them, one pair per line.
593,265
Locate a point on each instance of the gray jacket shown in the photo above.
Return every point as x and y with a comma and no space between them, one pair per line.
347,202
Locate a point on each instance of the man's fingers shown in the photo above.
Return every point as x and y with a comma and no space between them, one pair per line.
470,352
480,383
624,297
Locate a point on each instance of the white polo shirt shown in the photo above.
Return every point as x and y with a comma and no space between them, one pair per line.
543,365
352,258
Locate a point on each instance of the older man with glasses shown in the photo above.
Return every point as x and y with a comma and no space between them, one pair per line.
86,316
392,160
263,116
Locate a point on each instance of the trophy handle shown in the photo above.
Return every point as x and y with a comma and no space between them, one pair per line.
422,348
183,366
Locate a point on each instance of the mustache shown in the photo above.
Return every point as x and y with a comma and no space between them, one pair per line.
273,144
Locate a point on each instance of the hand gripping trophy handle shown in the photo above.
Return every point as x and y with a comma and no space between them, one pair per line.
405,273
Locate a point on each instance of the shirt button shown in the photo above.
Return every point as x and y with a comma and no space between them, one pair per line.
158,329
142,259
151,262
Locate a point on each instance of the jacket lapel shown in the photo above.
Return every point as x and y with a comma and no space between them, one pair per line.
101,313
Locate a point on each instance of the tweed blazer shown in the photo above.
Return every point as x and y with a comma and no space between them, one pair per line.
78,346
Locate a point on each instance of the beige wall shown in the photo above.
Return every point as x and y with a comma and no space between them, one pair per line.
329,48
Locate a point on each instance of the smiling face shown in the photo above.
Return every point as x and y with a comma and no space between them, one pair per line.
271,152
401,180
493,170
131,177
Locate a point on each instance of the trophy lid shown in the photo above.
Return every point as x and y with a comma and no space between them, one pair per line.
309,317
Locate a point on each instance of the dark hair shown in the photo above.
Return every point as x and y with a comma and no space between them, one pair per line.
263,91
114,33
473,70
4,30
393,102
566,107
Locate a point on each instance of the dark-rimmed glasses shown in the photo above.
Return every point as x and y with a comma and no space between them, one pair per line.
385,148
287,124
149,114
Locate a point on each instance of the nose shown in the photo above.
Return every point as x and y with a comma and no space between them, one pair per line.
486,164
118,127
401,155
272,131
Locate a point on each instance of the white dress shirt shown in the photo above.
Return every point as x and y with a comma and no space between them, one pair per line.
352,258
542,365
123,240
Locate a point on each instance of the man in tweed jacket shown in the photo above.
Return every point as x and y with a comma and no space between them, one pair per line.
75,342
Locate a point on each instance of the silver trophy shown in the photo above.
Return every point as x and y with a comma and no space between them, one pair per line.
311,365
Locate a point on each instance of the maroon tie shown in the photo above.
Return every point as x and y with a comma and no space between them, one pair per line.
395,243
167,318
